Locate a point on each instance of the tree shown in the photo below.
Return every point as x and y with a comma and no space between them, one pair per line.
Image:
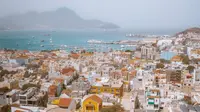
164,61
114,108
1,79
137,103
25,86
128,51
5,108
185,59
63,86
160,65
44,74
1,68
43,100
4,89
190,68
26,74
4,72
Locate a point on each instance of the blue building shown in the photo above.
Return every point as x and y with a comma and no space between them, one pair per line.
167,55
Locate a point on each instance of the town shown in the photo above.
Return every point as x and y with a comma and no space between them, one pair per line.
161,75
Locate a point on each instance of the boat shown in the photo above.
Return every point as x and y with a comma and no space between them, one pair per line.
122,46
42,40
42,45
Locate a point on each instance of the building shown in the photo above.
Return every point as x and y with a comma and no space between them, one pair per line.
52,91
12,96
196,77
10,83
167,55
33,97
67,103
125,55
80,87
152,99
149,52
91,103
176,59
113,87
174,76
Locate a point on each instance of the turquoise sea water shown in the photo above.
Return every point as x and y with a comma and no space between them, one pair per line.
31,40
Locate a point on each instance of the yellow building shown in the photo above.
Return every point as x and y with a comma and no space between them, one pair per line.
113,88
92,103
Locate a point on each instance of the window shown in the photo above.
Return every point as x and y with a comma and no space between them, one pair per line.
90,108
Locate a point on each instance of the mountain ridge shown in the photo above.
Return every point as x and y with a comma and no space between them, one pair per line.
62,18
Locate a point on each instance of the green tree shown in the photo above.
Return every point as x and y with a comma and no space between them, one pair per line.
160,65
185,59
4,89
25,86
114,108
164,61
190,68
63,86
128,51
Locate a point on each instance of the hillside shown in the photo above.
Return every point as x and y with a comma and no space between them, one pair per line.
63,18
190,30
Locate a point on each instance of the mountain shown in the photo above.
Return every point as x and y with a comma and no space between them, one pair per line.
62,18
195,30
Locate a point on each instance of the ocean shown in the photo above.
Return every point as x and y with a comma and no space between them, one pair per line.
47,40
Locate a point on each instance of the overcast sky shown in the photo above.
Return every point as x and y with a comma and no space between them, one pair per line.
125,13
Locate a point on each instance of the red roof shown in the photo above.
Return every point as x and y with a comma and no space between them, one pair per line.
95,98
64,102
75,55
67,70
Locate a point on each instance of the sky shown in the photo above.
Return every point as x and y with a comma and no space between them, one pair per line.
136,14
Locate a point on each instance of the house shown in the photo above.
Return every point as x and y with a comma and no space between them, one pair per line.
67,103
108,99
10,83
125,55
33,97
149,52
12,96
193,53
174,76
176,59
196,75
167,55
116,74
3,98
106,86
70,74
92,103
52,91
152,99
26,109
21,60
80,87
20,109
